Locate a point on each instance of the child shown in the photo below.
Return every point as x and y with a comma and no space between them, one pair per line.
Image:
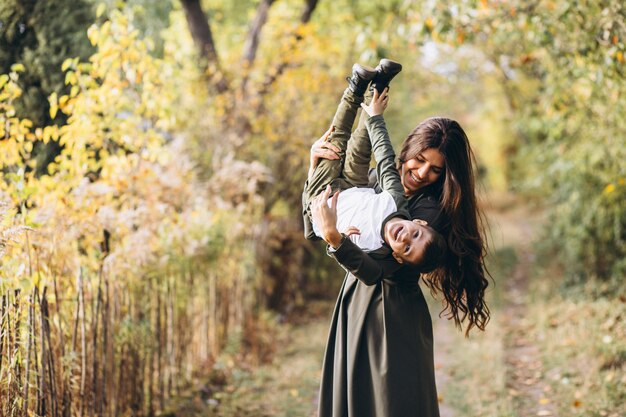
378,223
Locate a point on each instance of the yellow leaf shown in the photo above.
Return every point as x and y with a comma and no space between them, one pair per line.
46,134
429,23
93,34
53,105
17,68
101,9
609,189
66,64
70,77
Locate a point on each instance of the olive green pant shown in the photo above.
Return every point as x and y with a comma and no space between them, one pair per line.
352,169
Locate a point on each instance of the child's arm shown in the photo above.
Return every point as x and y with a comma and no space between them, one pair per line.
347,253
388,176
363,266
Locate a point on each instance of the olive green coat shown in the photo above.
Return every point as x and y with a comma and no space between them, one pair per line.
379,355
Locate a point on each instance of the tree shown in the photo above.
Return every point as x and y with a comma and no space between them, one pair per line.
201,32
30,36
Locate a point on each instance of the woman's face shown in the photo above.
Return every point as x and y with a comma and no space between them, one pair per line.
422,170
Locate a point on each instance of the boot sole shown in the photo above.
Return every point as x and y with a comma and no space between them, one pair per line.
389,67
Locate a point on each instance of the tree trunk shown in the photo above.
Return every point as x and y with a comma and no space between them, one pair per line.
308,10
200,30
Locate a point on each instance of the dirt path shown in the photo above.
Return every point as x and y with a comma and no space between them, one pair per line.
504,362
524,370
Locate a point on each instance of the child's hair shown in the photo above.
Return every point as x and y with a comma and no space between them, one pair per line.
462,277
434,252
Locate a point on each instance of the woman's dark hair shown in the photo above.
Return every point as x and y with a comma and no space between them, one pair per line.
462,276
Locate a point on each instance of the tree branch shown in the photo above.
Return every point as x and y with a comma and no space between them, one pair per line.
252,40
280,68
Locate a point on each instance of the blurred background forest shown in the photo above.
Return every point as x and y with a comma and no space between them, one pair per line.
152,156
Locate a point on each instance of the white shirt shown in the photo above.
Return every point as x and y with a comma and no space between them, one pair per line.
366,210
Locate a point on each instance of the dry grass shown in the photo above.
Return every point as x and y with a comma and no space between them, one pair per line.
583,344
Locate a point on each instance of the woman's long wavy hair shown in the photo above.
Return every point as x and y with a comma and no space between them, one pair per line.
463,277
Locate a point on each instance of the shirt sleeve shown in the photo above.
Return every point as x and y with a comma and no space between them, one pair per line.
360,264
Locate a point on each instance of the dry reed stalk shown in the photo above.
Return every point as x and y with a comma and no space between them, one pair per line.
17,369
66,397
29,348
159,358
3,331
45,324
119,403
83,342
170,336
213,314
94,375
149,356
43,404
39,405
106,312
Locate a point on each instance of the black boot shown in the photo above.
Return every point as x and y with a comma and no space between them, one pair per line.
360,79
385,71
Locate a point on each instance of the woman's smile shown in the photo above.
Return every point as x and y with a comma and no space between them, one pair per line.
423,170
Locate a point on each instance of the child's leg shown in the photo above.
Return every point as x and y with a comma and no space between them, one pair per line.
327,171
359,153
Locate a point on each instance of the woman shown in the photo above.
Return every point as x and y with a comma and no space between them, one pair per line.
379,355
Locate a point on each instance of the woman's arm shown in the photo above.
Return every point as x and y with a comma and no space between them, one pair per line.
322,149
388,176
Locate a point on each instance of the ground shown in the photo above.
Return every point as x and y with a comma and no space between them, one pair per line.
541,355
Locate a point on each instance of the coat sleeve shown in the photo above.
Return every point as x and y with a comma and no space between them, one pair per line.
388,176
362,265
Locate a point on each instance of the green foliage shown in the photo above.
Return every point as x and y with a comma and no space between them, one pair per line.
41,35
561,65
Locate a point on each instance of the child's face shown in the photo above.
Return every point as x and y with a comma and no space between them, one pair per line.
408,239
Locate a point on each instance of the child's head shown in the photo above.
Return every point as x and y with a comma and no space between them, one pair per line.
415,243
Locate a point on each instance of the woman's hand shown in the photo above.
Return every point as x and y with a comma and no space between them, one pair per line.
378,104
322,149
325,217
